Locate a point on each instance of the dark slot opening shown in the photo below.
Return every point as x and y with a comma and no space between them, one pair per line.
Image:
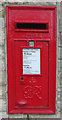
42,26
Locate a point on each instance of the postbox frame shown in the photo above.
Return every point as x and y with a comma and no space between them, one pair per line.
11,92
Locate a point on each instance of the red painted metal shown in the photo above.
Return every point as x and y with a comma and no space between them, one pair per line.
35,93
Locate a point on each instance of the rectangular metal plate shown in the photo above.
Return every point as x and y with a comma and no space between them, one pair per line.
31,61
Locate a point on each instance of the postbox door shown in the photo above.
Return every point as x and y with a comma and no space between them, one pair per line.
31,65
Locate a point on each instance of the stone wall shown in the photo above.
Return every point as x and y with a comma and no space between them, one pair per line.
3,66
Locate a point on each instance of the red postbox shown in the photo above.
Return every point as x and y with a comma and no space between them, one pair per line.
31,59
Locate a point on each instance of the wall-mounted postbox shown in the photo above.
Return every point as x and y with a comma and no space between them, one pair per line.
31,59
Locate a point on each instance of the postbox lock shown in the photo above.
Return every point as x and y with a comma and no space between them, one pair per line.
21,79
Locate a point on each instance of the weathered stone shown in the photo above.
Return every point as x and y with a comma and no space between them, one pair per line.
4,114
58,66
0,92
53,1
61,94
2,105
61,38
3,92
17,116
58,106
3,78
61,14
61,104
2,41
60,53
61,68
59,41
2,52
0,7
2,23
61,80
2,64
1,10
1,1
2,31
57,115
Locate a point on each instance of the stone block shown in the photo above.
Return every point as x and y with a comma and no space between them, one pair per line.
61,14
1,10
61,68
60,53
57,115
3,92
2,24
61,38
53,1
2,64
2,105
2,54
3,78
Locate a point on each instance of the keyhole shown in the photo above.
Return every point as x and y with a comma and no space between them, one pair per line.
21,79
